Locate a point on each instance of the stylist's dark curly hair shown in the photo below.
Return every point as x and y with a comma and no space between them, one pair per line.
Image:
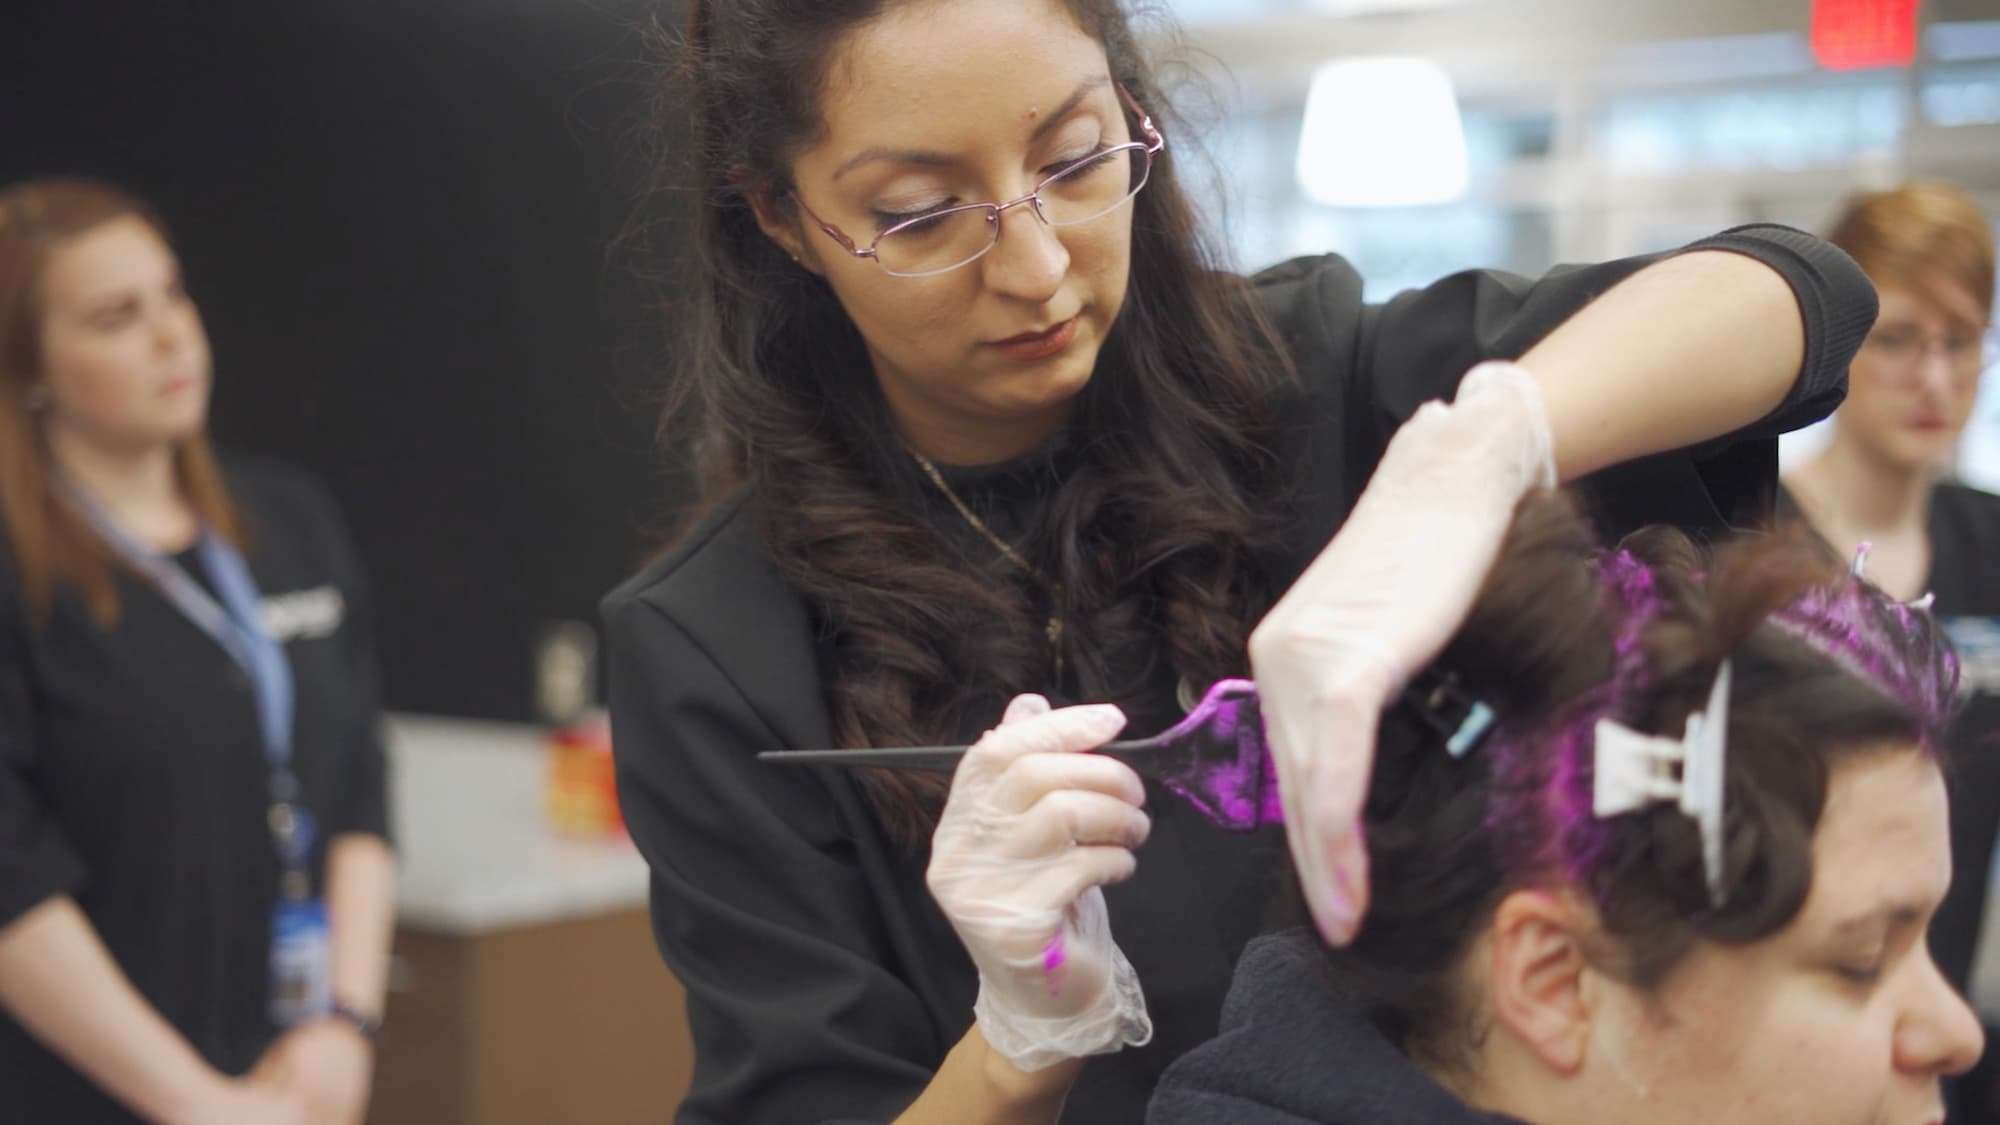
1824,669
1155,527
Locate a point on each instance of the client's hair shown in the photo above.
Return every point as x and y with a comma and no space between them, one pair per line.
1824,668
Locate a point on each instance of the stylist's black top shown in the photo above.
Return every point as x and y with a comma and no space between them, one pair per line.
1964,526
133,778
823,983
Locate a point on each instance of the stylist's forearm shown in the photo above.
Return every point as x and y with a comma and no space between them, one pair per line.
360,902
59,981
1685,350
976,1086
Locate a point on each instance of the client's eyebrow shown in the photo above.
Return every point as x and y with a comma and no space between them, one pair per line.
933,159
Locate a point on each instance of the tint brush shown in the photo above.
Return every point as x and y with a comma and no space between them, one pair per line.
1215,759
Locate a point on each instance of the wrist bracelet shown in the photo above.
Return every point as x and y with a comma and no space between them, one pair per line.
369,1026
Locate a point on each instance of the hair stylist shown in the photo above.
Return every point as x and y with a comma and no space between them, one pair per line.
194,879
980,417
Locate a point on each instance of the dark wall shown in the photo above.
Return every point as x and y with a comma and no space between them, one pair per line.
395,218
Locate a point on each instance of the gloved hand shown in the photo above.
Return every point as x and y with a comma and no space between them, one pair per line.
1032,830
1378,604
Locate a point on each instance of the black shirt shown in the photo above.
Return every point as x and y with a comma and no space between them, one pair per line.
133,778
1293,1052
1964,528
823,983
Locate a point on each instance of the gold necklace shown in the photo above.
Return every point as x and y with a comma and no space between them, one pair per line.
1054,629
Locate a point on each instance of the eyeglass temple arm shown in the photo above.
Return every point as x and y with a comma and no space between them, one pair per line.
1154,141
832,231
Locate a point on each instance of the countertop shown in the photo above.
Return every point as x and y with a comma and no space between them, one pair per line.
476,852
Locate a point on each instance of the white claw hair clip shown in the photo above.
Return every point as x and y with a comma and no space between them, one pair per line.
1634,770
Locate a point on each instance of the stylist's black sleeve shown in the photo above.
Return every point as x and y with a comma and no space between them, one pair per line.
36,861
759,904
1368,367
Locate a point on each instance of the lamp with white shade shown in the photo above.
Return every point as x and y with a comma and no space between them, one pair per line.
1382,132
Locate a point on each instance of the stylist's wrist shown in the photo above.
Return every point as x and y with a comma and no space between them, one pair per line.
1352,674
1514,411
1028,1094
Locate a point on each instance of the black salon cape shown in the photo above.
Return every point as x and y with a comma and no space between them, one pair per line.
823,983
133,778
1293,1052
1964,526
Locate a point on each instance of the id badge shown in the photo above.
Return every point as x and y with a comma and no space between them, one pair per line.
1977,640
301,962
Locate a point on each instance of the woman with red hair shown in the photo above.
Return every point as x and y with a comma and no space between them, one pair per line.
194,876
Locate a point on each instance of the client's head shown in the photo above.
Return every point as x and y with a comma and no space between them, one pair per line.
1548,956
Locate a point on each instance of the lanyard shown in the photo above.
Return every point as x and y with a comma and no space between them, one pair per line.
237,624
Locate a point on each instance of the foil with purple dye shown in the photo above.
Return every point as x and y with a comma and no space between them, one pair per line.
1217,760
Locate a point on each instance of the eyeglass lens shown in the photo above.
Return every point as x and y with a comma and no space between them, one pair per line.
1962,351
1086,190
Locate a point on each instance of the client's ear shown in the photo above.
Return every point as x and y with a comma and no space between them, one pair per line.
1536,976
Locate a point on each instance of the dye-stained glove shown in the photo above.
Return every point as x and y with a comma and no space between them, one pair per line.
1378,604
1031,832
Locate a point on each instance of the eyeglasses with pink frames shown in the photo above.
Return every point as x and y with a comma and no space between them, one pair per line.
940,241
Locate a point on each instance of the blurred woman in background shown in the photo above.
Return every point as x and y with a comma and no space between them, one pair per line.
194,878
1883,480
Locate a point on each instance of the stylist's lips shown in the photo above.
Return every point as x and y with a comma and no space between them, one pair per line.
1038,345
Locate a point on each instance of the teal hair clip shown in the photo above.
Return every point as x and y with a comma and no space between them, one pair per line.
1436,698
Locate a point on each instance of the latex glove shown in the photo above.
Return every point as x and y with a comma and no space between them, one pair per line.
1032,830
1378,604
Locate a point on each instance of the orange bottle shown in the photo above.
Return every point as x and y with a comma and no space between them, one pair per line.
580,795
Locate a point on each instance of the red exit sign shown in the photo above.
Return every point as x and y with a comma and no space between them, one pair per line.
1858,34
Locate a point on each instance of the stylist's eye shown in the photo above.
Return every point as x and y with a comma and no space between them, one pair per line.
1076,158
885,219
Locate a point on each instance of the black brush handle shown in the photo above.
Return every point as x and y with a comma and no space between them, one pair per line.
941,758
895,757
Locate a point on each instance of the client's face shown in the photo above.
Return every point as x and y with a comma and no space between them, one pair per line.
1839,1019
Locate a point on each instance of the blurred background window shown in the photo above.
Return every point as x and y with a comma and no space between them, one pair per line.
1595,130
